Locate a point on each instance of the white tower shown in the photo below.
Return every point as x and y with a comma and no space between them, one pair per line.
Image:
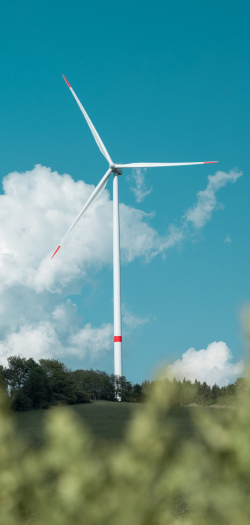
117,278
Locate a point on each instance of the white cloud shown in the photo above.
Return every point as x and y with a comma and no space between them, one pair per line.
175,237
228,238
140,190
37,342
201,212
94,341
42,341
132,321
211,365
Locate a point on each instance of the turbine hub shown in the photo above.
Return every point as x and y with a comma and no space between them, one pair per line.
116,170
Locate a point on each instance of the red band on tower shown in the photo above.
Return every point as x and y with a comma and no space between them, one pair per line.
211,162
117,339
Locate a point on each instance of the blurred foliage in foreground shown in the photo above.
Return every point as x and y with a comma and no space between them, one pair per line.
151,478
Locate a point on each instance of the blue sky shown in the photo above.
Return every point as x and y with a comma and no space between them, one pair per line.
162,82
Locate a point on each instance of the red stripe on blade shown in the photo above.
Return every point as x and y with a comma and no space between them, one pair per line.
211,162
117,339
55,251
67,81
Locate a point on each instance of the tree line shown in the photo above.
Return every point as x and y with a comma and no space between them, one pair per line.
187,393
31,385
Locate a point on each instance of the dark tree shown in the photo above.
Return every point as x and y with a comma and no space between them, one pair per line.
97,384
60,378
137,393
16,373
215,392
37,387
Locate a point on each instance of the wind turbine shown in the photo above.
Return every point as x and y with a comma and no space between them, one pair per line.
116,169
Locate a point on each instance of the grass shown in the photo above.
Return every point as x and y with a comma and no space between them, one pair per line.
106,420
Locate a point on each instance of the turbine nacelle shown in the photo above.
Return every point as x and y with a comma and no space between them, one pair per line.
115,169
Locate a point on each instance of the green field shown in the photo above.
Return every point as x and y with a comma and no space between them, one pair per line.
106,420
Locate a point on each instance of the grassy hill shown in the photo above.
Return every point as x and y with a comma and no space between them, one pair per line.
106,420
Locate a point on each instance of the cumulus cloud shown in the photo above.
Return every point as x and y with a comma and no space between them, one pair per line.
44,326
140,189
38,342
43,341
212,365
201,212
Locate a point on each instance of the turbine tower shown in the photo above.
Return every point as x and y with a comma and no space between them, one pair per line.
116,169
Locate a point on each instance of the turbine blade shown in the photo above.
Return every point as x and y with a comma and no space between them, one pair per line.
91,126
159,164
97,191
